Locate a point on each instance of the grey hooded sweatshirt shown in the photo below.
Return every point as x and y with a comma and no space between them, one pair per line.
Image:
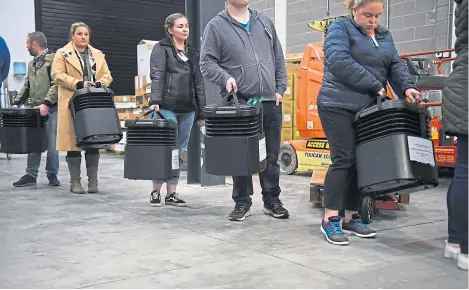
254,59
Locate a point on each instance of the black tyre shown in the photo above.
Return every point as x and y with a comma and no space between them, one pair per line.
287,160
366,209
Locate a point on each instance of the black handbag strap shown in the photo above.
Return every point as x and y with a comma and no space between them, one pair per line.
149,112
225,101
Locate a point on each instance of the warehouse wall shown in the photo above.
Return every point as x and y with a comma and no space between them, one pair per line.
416,24
265,6
16,21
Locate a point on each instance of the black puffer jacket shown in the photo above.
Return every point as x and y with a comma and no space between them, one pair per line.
455,94
176,85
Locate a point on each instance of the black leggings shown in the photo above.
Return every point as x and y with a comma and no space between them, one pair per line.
78,153
341,184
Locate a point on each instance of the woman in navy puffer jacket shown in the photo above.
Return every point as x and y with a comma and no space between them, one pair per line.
359,59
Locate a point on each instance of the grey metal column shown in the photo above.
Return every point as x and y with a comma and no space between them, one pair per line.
199,13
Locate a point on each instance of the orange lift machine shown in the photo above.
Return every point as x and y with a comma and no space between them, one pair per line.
311,151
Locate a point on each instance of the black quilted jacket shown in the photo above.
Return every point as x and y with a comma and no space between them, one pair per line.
455,94
176,85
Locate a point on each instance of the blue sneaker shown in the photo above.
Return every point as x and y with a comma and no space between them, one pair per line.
356,227
333,231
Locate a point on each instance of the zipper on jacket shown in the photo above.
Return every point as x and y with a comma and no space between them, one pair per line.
374,41
169,83
261,87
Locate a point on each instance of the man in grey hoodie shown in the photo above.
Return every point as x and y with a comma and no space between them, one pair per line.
241,52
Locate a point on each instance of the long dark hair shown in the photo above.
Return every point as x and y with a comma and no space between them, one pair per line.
169,24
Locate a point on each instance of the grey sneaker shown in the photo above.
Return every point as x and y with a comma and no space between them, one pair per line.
333,231
358,228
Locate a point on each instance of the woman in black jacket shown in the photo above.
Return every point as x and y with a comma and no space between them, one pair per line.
177,92
359,59
455,124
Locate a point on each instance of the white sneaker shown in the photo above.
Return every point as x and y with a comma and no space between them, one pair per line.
451,252
462,262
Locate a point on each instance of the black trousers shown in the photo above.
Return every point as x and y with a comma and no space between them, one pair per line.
457,198
341,184
269,178
78,153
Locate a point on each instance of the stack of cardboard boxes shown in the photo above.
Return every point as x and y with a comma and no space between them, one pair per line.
142,80
289,106
132,107
127,108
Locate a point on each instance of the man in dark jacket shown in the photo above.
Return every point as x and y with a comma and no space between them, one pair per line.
241,52
4,61
455,124
42,94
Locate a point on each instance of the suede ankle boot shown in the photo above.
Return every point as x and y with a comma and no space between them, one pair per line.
74,167
92,162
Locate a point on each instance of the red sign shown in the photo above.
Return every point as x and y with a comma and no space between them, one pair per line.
445,156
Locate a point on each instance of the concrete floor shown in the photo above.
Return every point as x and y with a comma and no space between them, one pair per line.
52,239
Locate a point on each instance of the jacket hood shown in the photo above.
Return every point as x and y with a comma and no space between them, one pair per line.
226,15
50,56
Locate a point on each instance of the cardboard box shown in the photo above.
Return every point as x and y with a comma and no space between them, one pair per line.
125,116
290,92
142,100
295,106
292,68
123,99
287,134
144,49
142,85
287,113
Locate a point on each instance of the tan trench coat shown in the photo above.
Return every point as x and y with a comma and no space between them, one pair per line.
66,73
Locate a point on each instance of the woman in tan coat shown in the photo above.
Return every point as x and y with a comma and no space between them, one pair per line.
78,65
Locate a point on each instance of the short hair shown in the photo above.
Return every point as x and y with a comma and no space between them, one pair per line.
39,38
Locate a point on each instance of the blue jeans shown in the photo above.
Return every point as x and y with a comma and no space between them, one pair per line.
458,197
34,159
185,123
269,178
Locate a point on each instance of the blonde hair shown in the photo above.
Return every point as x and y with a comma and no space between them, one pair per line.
350,4
74,28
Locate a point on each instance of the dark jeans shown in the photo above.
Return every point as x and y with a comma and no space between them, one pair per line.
457,198
269,178
52,161
341,184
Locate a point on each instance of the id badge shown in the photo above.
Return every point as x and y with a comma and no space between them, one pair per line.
182,56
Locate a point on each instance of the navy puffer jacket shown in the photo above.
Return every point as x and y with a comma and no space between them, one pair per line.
356,68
